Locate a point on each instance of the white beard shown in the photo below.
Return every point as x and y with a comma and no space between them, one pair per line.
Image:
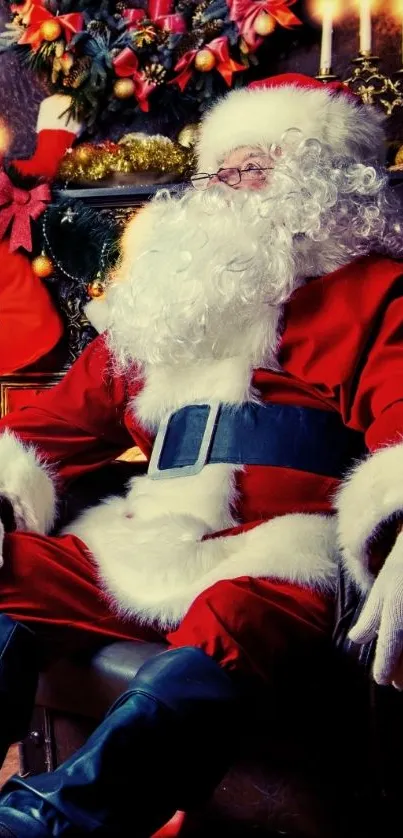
208,282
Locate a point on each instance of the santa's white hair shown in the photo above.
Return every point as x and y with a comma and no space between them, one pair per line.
199,277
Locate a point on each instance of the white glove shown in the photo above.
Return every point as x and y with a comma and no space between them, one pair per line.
382,615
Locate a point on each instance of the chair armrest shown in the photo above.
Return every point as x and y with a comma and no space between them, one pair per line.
89,687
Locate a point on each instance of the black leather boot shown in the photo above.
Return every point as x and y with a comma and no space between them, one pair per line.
18,681
163,746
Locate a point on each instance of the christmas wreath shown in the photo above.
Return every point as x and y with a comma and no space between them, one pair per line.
115,58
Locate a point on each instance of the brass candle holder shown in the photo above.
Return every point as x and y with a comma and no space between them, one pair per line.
325,74
374,87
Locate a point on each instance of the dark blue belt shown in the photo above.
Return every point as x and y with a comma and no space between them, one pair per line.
270,434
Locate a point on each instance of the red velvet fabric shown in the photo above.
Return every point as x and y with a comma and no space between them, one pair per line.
30,324
247,625
340,350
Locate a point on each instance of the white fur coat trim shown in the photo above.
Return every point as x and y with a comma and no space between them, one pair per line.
155,569
27,483
152,548
261,117
372,493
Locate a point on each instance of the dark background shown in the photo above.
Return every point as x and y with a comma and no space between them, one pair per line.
21,91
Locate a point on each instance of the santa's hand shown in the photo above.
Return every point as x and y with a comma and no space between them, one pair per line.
382,616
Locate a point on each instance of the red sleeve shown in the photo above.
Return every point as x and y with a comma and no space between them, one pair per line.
376,399
78,425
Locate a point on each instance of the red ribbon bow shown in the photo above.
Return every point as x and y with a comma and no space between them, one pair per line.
224,64
245,12
126,65
24,10
17,207
160,12
37,16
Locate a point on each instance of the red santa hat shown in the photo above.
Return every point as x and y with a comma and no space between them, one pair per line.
31,326
260,114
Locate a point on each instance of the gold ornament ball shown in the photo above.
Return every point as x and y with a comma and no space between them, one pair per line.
399,156
42,266
51,30
95,289
204,61
264,24
187,137
123,88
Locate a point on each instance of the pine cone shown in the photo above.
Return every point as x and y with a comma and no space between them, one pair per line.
79,73
212,28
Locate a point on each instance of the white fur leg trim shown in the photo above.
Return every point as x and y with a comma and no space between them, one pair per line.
298,548
155,569
372,493
28,485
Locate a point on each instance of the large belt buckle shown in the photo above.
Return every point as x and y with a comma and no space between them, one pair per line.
154,471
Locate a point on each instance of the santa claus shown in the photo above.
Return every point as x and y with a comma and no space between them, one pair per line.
254,354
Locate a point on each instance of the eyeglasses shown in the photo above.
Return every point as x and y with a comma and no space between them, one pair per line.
231,177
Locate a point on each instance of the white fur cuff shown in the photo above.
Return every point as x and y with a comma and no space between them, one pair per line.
27,484
52,115
371,494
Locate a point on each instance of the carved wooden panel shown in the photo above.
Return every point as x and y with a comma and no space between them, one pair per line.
17,390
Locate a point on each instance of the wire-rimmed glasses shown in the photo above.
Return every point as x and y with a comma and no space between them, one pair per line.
231,176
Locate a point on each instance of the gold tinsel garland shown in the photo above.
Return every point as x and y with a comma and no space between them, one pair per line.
132,154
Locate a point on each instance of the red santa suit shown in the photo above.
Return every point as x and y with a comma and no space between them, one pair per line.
258,574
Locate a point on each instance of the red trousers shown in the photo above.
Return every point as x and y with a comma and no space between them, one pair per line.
248,625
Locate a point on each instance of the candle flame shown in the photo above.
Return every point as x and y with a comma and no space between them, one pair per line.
374,5
319,8
396,8
5,138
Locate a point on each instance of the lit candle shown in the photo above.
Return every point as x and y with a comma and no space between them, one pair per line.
327,33
365,26
399,12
